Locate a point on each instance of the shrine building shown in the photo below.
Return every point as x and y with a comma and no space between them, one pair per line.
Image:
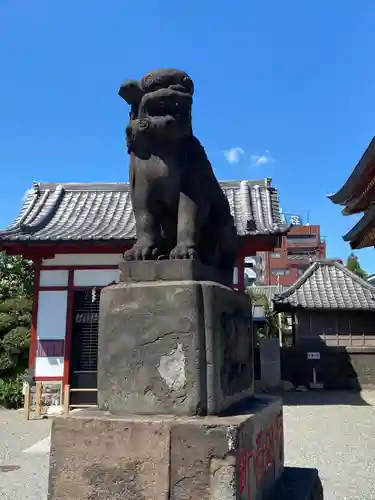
357,195
76,234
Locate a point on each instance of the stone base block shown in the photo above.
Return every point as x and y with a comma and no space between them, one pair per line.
173,347
171,270
98,456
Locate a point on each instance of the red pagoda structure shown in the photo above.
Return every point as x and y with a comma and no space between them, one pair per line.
358,195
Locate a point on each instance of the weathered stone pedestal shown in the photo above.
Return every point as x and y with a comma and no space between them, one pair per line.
99,456
173,346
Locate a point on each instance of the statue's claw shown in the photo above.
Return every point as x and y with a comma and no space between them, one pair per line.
183,252
142,252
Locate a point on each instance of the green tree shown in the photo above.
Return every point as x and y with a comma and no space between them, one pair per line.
16,287
16,276
271,325
355,267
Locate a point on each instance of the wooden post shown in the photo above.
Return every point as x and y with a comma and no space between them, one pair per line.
38,399
293,329
66,399
26,405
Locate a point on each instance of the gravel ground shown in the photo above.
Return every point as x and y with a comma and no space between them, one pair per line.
23,476
333,432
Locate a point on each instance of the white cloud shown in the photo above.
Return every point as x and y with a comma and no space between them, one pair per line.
263,159
233,155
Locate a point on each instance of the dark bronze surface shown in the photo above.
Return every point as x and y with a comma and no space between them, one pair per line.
180,209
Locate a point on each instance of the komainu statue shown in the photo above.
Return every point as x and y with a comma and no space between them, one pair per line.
180,209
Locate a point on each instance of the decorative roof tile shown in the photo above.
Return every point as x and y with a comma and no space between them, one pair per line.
328,284
104,212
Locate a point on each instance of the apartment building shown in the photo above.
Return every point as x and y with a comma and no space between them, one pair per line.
298,248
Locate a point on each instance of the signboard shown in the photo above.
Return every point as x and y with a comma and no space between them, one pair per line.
295,220
291,219
313,355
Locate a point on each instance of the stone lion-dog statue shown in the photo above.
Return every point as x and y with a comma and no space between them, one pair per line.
180,209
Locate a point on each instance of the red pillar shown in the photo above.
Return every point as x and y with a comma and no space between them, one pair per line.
34,317
69,326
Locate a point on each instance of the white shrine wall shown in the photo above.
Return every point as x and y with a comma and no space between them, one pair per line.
58,278
85,260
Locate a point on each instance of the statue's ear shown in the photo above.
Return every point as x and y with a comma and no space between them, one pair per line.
131,92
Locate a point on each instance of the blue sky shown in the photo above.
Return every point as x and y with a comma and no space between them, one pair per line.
289,84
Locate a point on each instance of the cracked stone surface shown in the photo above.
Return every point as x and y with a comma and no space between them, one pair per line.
172,368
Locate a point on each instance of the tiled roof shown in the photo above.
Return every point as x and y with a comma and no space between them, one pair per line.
268,291
328,284
362,235
103,212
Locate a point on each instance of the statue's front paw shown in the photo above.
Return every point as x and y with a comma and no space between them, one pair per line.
184,252
142,124
135,128
142,252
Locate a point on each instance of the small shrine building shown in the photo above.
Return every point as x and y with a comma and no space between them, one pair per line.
76,234
330,306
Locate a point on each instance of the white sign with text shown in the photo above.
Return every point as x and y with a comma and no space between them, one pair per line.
313,355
